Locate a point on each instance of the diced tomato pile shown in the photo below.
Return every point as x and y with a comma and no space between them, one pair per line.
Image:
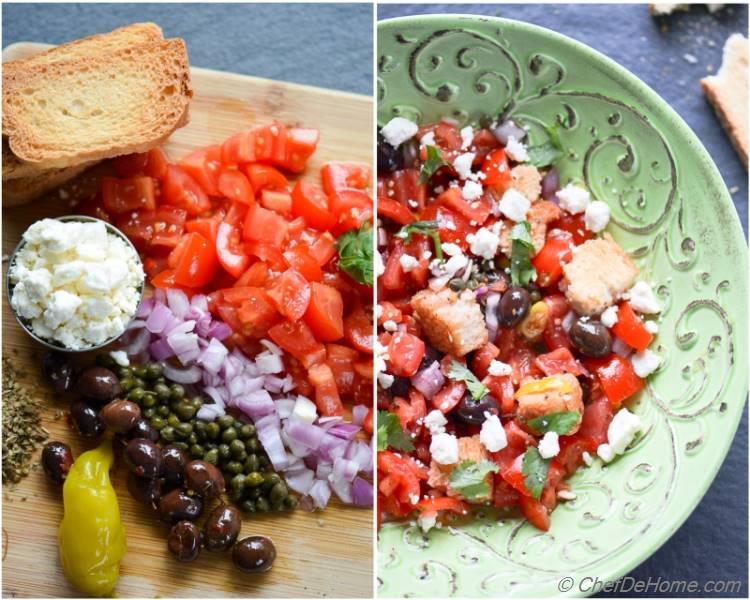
227,221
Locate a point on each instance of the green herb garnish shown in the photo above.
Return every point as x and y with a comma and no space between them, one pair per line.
560,422
428,228
432,164
355,248
534,469
468,478
459,372
521,269
390,434
548,153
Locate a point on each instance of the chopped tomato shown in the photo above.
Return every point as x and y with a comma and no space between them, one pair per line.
130,165
513,474
204,169
449,396
271,255
291,294
501,388
560,360
358,329
431,505
554,334
255,276
265,177
228,248
125,195
575,225
181,190
341,358
482,359
597,415
256,312
405,352
326,393
156,164
496,170
300,259
477,211
338,176
393,210
311,203
323,249
277,201
234,185
240,148
549,262
631,329
535,512
195,263
298,340
393,277
300,145
263,225
208,227
325,312
352,207
617,377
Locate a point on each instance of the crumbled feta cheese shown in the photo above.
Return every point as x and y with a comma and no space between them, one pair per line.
597,216
472,191
451,249
120,357
427,521
378,311
644,363
514,205
643,299
499,369
408,262
467,136
566,495
549,445
587,460
483,243
492,435
428,139
390,325
463,163
385,380
379,266
609,316
516,150
398,130
444,449
652,327
413,498
435,421
620,434
574,199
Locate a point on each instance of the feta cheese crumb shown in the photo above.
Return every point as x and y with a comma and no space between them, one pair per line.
652,327
574,199
483,243
385,380
379,266
620,434
444,449
428,139
408,262
566,495
498,368
492,435
516,150
463,163
597,216
120,357
398,130
451,249
549,445
435,421
514,205
427,521
609,316
413,498
643,299
472,191
644,363
467,136
587,460
390,325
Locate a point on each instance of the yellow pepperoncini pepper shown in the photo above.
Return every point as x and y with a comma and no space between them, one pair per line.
92,538
541,386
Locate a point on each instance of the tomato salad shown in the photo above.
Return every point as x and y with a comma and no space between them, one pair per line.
510,324
248,266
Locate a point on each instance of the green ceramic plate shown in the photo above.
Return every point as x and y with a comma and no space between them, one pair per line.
672,212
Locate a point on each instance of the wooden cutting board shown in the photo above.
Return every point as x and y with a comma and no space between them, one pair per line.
326,553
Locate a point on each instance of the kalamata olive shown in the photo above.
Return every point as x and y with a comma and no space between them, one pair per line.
513,306
184,541
179,506
400,387
204,479
472,411
410,152
120,415
389,158
222,528
56,461
143,458
58,371
143,430
99,384
173,461
145,490
254,554
590,337
86,419
431,354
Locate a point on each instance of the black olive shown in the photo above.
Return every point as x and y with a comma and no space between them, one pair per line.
143,458
179,506
591,338
389,158
222,528
410,153
143,430
204,479
513,307
173,461
254,554
86,419
431,354
472,411
120,415
58,371
56,461
184,541
145,490
400,387
99,384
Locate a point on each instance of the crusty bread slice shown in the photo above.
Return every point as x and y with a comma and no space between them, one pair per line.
102,43
66,113
24,189
727,92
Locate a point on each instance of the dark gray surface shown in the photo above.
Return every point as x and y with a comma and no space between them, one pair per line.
712,544
327,45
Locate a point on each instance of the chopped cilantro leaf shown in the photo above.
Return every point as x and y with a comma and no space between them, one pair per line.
560,422
432,164
428,228
468,478
459,372
390,434
355,248
534,469
521,269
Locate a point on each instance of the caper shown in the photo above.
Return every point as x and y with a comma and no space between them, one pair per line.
200,426
252,445
127,383
149,413
262,505
290,501
184,429
212,456
251,463
225,421
224,452
167,434
176,391
229,435
139,382
233,467
271,479
254,479
247,431
237,486
185,411
197,451
263,461
139,371
237,448
136,394
278,493
213,430
157,423
253,493
173,420
162,391
192,438
182,446
247,506
162,411
153,371
149,399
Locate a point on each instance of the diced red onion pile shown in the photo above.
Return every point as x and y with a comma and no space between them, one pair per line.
317,455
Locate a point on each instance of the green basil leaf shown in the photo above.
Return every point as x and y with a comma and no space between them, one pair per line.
459,372
534,469
390,434
543,155
355,248
432,164
428,228
560,422
522,249
468,478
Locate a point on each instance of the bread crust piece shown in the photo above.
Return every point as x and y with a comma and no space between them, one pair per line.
22,190
727,92
60,114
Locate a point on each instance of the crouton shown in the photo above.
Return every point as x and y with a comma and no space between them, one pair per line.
598,274
539,216
527,180
454,324
469,448
559,393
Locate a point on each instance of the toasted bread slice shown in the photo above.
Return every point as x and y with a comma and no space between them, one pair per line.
727,92
66,113
25,189
103,43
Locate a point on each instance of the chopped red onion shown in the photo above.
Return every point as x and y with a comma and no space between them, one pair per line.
301,482
344,468
209,412
345,431
490,314
550,183
161,350
568,320
343,490
306,434
178,302
219,330
200,302
507,129
359,412
144,308
320,492
621,348
362,492
213,356
284,407
271,347
187,375
216,395
323,470
139,343
268,363
429,381
255,404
